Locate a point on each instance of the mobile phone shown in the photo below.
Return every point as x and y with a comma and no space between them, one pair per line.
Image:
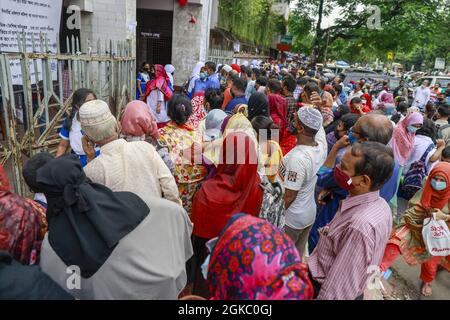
324,196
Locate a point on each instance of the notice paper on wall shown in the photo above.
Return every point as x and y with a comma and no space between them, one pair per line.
32,17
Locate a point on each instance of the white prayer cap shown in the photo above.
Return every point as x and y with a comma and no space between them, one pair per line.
97,121
227,68
310,117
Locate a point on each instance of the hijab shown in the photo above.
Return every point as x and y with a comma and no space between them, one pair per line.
239,123
169,70
160,82
195,75
86,220
235,188
213,123
253,260
402,142
258,105
22,224
198,112
198,67
278,110
433,199
138,121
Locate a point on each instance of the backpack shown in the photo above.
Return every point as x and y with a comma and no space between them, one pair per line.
440,129
412,181
272,208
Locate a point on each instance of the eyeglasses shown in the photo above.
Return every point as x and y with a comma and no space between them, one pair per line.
356,132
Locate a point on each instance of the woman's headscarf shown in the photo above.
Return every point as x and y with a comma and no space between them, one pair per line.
169,70
138,121
86,220
433,199
197,68
278,107
402,142
368,99
239,123
160,82
253,260
195,75
430,199
213,123
258,105
22,224
235,188
198,111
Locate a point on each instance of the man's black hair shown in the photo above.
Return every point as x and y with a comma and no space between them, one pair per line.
289,83
262,81
377,162
349,120
214,97
256,72
446,153
355,100
274,86
211,65
444,111
240,84
302,81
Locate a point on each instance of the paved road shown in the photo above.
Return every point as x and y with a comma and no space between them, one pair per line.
410,275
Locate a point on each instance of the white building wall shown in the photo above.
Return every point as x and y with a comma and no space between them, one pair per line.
106,19
110,20
190,41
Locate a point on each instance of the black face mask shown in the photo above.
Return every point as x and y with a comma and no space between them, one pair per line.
232,94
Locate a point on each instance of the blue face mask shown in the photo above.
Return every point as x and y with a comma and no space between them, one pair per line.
351,138
203,75
335,107
438,185
390,111
412,129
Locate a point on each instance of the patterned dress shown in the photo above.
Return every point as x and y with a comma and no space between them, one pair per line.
23,225
181,143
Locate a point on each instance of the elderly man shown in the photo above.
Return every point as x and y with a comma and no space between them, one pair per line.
371,127
356,238
123,166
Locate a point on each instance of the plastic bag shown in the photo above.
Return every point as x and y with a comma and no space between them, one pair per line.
436,236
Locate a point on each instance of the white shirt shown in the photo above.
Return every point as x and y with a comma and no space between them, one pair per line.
152,101
421,97
298,171
421,143
134,167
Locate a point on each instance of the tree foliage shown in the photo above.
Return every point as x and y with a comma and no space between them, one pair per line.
415,30
251,20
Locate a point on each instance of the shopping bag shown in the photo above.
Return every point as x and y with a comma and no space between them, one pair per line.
436,236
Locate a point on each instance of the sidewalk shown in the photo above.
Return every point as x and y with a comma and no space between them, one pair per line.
410,274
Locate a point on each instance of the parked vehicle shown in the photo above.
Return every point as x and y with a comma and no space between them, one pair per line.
442,80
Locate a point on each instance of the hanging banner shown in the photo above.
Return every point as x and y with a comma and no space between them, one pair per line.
32,18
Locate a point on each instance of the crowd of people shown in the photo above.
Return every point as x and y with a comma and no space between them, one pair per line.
254,181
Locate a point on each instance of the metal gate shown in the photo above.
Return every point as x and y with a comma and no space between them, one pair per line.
219,56
107,67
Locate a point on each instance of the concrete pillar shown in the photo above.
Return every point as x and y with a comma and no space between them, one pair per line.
106,20
190,41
